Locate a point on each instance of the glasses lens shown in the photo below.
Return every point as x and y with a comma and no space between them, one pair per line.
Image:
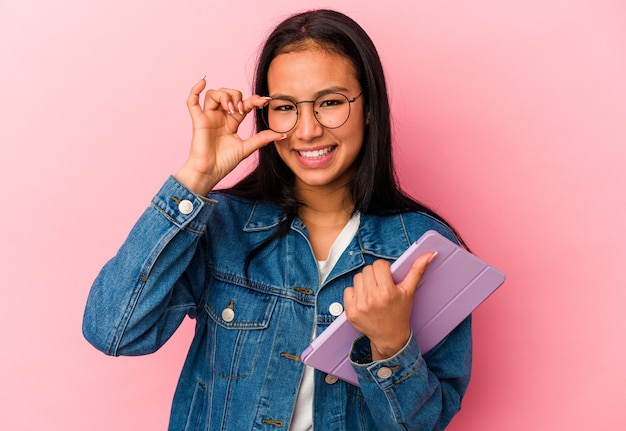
332,110
281,115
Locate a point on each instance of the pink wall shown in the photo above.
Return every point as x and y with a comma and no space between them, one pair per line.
511,121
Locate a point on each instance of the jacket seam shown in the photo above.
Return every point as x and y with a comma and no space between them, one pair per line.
142,280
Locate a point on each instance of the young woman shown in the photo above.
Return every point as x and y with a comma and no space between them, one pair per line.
267,265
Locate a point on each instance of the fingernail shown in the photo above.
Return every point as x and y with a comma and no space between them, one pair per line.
433,256
283,136
202,79
266,97
231,108
240,106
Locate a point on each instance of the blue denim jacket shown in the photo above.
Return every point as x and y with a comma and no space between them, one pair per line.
185,256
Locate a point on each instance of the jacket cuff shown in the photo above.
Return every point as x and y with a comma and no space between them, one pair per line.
385,372
183,207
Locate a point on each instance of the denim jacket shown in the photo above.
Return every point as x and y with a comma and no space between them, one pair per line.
186,255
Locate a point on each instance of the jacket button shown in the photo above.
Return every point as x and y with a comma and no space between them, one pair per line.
185,207
330,379
228,314
384,372
335,309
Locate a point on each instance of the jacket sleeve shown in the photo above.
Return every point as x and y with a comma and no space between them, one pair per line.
141,295
413,392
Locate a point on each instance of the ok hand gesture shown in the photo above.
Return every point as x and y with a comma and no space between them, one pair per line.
216,148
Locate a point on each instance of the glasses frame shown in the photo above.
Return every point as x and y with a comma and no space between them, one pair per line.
265,110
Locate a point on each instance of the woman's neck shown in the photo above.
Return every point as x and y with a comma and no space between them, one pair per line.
324,206
325,213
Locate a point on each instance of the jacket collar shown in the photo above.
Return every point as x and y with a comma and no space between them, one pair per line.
371,237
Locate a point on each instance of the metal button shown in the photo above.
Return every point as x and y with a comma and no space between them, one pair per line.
330,379
185,207
228,314
384,372
335,309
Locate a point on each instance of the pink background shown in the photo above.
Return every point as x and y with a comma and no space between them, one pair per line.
510,118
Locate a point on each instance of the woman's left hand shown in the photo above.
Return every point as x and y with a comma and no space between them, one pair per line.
381,309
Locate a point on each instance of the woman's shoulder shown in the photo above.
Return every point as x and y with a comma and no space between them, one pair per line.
231,199
234,207
416,223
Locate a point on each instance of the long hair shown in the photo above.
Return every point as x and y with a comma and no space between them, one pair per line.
374,188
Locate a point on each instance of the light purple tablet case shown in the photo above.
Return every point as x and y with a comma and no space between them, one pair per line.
454,284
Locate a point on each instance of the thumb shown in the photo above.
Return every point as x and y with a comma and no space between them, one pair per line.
416,272
261,139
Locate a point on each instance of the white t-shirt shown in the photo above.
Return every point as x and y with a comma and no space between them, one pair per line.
303,411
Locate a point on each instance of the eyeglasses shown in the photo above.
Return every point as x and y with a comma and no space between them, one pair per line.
331,110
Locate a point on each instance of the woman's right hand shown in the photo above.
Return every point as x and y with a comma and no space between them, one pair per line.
216,149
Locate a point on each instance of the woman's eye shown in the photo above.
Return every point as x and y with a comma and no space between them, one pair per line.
327,103
283,106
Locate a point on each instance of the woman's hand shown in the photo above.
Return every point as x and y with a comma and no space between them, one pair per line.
381,309
216,149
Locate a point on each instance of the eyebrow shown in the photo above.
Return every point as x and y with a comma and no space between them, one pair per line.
335,89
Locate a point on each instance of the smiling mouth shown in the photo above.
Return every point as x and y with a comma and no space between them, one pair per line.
316,154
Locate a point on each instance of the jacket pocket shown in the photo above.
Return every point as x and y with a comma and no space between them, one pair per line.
238,316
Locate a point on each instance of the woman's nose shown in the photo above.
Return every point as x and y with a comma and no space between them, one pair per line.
307,127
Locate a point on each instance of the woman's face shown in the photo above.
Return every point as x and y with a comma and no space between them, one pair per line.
318,157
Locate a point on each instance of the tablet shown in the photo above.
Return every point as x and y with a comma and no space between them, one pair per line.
454,284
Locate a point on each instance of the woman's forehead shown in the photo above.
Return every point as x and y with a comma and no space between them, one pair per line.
310,70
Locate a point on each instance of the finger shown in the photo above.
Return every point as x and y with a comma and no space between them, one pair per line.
358,293
193,100
348,296
255,101
358,279
229,99
381,272
349,303
260,140
216,99
416,272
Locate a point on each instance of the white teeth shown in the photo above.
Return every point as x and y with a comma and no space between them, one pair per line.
315,153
